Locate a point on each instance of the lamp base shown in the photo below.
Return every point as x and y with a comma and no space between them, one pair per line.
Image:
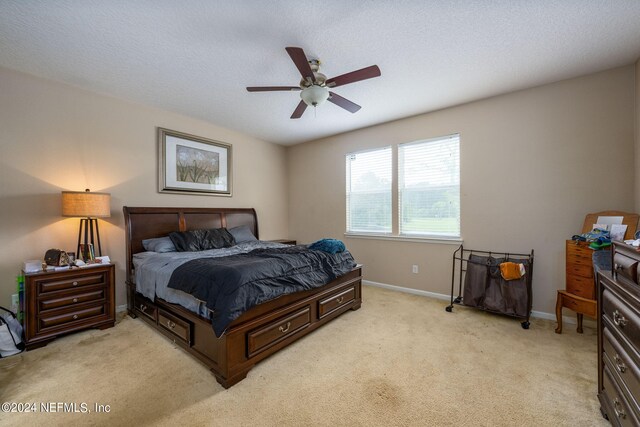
87,227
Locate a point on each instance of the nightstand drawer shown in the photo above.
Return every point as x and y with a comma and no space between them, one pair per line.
70,300
74,281
334,302
47,322
180,328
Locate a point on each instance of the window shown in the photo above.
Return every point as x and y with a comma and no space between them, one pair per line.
369,191
429,187
427,201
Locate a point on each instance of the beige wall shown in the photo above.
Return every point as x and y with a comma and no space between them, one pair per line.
54,137
533,163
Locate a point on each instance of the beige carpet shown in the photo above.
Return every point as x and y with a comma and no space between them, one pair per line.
399,360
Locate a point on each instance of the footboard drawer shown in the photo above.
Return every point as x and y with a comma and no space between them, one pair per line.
180,328
271,334
145,307
329,305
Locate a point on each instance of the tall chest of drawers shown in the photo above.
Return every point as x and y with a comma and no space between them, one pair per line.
619,338
59,302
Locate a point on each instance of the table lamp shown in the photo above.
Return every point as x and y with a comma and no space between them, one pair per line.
90,206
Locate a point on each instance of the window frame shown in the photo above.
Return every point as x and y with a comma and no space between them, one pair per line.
395,234
400,174
391,192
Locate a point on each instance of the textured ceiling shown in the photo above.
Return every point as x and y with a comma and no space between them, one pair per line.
195,57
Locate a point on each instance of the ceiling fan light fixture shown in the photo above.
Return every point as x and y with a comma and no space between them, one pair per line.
314,95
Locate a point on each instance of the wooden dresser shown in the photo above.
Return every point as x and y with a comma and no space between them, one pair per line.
619,338
580,292
59,302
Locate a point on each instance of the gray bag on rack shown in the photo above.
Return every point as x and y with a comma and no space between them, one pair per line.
10,334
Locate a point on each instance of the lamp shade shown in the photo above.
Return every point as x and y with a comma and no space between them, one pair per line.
86,204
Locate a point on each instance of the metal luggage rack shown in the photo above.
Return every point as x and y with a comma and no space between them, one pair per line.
460,265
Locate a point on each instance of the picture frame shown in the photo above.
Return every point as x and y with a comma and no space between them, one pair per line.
190,164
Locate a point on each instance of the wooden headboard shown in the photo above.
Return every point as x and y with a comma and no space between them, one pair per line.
149,222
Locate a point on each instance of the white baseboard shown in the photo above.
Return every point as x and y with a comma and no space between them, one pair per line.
538,314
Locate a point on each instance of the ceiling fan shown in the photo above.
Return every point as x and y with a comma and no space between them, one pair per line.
315,85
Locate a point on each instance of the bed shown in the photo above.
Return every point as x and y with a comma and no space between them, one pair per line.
257,333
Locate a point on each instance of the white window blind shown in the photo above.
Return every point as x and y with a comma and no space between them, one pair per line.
429,187
369,191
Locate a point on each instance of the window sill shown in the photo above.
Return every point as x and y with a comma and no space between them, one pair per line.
418,239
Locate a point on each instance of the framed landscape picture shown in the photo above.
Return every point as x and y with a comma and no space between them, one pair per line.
191,164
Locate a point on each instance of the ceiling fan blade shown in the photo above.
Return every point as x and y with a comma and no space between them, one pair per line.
343,102
271,88
301,62
299,110
354,76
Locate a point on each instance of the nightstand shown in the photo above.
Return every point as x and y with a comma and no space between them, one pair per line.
284,241
59,302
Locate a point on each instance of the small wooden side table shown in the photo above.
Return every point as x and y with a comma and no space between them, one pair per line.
578,304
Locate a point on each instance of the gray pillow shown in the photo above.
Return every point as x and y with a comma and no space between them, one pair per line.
201,240
160,244
242,234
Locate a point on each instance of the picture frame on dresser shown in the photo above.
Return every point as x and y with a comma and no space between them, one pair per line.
193,164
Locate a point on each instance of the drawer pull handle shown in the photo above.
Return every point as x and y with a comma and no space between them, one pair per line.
617,408
143,307
284,328
620,364
75,316
340,299
619,267
75,300
171,324
75,283
619,319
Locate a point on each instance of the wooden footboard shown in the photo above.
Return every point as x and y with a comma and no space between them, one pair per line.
256,334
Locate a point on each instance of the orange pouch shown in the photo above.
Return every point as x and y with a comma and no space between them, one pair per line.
510,271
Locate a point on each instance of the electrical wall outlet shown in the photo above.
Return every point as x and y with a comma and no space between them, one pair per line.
15,302
414,269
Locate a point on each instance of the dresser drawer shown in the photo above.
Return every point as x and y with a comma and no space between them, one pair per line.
620,316
578,252
271,334
621,412
180,328
582,270
83,279
626,267
58,320
584,287
328,305
144,307
622,363
71,299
